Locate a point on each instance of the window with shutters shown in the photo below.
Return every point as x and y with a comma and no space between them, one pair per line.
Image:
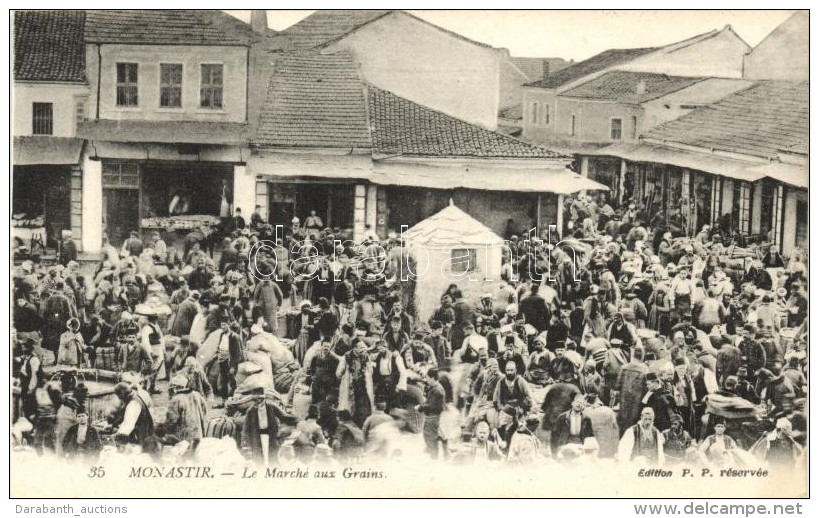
42,118
127,84
170,85
464,259
210,91
616,129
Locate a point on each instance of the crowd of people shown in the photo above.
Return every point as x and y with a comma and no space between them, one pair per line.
625,342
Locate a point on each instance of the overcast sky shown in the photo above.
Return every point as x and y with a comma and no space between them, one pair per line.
575,34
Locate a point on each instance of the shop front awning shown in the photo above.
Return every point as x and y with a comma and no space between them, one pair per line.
718,165
512,177
310,166
791,174
558,180
45,150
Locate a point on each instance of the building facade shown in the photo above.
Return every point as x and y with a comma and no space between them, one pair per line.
565,109
50,94
740,164
167,125
371,162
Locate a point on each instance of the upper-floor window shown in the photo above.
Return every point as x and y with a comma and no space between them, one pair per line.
170,85
127,84
633,127
573,126
546,117
616,129
210,91
535,113
42,119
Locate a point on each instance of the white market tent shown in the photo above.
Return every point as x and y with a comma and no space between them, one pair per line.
452,247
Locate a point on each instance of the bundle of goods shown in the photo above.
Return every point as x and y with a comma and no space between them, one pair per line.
21,221
184,222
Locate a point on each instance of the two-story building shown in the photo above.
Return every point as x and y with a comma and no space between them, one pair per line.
740,163
718,53
619,106
50,94
417,60
369,160
167,123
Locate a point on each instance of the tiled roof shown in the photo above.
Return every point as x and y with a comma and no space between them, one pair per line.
768,118
170,132
403,127
630,87
592,65
166,27
314,100
48,46
325,26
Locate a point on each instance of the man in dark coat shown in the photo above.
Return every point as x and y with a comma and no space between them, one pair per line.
558,399
55,312
26,319
229,255
185,313
729,358
571,427
513,390
660,401
535,310
260,419
201,277
133,245
68,249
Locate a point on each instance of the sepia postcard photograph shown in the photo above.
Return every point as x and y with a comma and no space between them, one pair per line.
408,254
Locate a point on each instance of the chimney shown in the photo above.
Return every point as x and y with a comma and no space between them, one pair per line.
545,69
640,89
258,20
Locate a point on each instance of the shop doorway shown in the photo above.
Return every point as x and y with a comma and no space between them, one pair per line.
121,212
41,201
333,203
